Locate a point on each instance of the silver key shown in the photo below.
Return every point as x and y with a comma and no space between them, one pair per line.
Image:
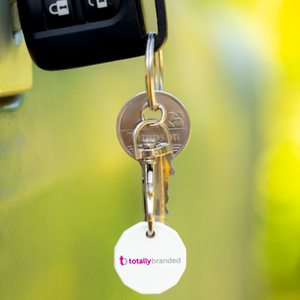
155,161
148,165
177,121
156,171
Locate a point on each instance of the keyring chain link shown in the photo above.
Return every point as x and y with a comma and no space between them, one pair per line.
163,116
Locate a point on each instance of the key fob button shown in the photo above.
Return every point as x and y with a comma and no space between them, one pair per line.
59,13
99,10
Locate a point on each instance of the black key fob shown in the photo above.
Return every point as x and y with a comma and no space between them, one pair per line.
63,34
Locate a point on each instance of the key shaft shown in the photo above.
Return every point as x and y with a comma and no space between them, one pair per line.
157,162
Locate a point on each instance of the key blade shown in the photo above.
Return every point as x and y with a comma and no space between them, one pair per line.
169,170
169,157
160,210
164,170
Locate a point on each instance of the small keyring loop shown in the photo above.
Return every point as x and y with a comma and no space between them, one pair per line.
135,134
163,117
136,154
153,71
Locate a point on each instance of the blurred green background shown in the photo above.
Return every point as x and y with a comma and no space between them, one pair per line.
68,190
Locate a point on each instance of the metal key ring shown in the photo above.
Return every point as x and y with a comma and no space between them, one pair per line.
163,117
153,71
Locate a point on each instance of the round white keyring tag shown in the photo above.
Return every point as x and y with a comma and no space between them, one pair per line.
150,265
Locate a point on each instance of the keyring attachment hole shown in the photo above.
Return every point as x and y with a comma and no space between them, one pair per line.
151,114
151,236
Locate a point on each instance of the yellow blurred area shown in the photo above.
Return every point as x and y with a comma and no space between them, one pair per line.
290,44
68,190
285,176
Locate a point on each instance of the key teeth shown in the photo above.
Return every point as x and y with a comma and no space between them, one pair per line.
172,170
169,171
167,200
169,158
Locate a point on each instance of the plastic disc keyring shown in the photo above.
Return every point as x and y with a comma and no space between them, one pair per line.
150,265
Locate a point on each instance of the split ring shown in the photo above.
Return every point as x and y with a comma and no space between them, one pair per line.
163,117
153,71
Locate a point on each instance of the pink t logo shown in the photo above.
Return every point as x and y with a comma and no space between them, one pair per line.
123,259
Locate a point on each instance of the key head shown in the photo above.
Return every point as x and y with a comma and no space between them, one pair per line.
159,149
177,121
